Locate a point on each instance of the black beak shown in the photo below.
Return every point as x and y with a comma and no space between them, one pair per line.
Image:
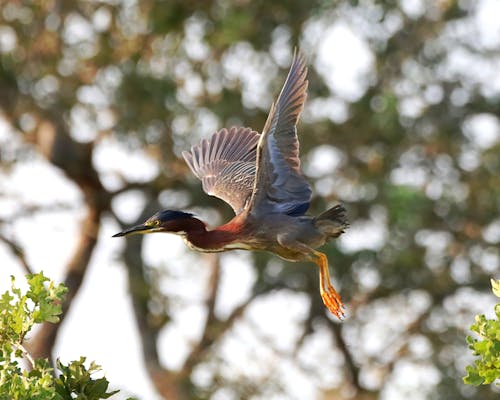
135,230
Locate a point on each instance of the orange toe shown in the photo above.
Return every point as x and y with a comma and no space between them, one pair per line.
333,302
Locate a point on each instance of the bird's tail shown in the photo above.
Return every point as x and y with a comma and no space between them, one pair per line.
333,222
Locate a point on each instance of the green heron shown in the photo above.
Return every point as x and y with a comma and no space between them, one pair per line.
259,176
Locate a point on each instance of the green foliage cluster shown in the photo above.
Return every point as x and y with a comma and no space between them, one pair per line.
486,369
19,312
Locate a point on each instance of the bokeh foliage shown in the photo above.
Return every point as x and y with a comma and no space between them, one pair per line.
418,176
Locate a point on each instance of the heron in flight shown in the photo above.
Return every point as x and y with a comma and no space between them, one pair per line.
259,176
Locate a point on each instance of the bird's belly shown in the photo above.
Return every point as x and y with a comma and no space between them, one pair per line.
218,249
202,249
238,246
289,255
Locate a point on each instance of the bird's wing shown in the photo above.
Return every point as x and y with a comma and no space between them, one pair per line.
279,183
225,164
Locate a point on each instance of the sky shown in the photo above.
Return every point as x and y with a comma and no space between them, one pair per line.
102,307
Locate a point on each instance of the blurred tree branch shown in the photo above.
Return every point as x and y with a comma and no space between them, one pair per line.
17,251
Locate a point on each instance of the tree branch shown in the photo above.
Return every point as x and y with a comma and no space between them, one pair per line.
170,385
18,251
207,338
75,160
41,345
352,368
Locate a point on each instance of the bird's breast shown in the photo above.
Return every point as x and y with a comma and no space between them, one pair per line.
217,248
238,246
193,246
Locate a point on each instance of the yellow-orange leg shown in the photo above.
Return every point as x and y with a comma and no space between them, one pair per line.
330,297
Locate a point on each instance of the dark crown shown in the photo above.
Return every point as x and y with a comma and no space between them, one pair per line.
169,215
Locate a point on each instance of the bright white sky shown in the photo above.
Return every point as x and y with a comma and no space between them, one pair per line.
100,324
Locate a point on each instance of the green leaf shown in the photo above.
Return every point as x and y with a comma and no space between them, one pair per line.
495,285
37,291
473,377
76,381
486,368
19,312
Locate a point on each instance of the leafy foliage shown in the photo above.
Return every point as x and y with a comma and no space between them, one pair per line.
19,312
77,379
486,369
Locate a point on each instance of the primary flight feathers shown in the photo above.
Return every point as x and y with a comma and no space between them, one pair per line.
231,164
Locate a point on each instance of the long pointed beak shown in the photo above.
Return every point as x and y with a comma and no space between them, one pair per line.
135,230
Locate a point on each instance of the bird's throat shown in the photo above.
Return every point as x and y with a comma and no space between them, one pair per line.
222,238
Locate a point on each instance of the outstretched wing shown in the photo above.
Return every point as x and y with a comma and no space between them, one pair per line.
279,183
225,164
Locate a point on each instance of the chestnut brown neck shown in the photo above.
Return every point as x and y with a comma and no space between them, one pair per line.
202,239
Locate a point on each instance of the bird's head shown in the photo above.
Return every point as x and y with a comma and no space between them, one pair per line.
163,221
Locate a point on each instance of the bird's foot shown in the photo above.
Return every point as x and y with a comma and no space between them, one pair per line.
332,301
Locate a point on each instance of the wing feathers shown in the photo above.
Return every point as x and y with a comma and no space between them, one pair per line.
261,172
282,187
225,164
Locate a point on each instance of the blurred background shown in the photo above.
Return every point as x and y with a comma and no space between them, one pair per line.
98,99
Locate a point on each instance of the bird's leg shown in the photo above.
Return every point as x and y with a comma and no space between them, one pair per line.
330,297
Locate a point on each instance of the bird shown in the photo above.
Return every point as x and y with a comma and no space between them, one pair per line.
259,175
